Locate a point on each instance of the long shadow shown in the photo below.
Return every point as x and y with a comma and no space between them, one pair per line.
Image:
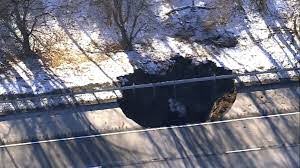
269,86
37,70
83,51
74,153
206,144
283,30
79,154
274,128
74,109
8,84
278,32
98,47
186,143
44,80
266,110
32,77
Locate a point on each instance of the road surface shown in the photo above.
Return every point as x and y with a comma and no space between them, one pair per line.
103,118
266,141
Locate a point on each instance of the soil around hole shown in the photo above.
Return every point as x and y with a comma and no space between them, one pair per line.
180,104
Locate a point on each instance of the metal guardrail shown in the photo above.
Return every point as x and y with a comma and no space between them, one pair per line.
158,84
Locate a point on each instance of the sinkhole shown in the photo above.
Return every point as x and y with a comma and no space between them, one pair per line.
178,104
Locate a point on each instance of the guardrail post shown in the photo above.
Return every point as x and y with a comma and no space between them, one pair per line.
154,90
174,89
214,87
133,89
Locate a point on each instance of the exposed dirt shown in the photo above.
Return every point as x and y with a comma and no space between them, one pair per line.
220,41
222,105
181,104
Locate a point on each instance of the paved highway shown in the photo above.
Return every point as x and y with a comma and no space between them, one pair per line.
86,120
267,141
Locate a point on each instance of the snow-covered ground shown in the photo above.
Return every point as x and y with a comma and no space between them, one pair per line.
265,41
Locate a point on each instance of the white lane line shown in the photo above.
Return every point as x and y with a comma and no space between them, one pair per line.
121,163
243,150
145,130
262,148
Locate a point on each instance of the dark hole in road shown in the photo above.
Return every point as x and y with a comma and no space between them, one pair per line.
186,103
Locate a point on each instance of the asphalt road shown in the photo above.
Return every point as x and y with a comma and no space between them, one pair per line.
269,141
104,118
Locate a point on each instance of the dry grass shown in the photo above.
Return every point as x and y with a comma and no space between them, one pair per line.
57,58
112,47
220,16
57,49
225,10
